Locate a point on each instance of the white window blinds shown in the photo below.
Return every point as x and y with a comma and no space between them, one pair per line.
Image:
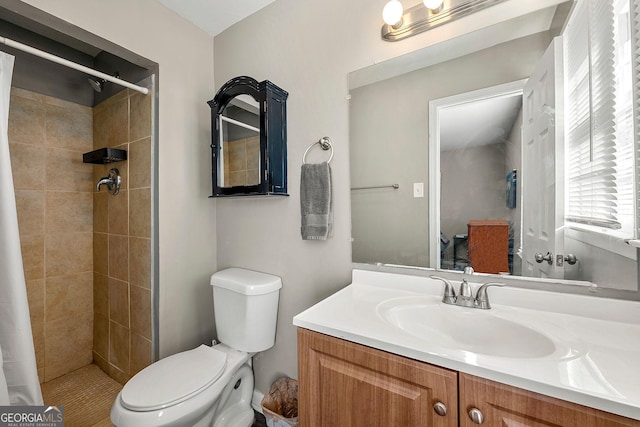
599,116
635,79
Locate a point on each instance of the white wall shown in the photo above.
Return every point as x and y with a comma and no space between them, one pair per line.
186,216
600,264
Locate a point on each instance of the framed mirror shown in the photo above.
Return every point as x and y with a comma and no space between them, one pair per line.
249,139
414,197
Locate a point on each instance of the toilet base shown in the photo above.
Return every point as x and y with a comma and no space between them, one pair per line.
235,401
243,418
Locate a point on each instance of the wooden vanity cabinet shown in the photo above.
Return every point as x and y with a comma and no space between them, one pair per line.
345,384
503,405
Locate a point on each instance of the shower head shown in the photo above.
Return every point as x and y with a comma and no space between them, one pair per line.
96,83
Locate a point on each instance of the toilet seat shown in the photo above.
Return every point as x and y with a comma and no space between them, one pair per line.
173,379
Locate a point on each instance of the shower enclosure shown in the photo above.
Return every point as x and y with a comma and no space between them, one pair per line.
87,255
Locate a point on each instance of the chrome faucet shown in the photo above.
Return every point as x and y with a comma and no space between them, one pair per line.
112,181
466,299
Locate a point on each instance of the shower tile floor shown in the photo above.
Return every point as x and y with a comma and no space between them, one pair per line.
86,395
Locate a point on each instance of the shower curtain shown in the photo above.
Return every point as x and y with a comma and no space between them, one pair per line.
18,359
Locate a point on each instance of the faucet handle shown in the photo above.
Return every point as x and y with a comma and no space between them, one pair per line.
482,297
449,296
465,289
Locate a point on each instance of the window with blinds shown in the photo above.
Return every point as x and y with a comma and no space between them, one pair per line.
600,143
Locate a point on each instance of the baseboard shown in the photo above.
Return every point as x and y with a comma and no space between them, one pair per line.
256,401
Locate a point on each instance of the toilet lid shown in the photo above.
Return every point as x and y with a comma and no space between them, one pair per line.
173,379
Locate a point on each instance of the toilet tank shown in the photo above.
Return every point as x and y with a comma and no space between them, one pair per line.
245,305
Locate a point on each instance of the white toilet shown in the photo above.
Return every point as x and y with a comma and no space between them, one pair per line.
209,386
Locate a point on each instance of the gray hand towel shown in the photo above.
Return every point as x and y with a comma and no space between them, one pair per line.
316,201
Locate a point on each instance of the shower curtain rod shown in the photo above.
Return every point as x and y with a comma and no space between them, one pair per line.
25,48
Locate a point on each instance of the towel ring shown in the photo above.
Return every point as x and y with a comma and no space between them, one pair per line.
325,144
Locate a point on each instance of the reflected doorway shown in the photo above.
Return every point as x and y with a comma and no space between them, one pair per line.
475,157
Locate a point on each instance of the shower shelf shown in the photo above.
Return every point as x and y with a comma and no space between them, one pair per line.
104,155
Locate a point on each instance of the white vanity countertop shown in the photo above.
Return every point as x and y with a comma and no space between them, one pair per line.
596,362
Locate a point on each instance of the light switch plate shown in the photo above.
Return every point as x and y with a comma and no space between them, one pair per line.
418,189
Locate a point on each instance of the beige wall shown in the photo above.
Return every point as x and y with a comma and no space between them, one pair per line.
187,250
290,44
308,48
54,199
122,238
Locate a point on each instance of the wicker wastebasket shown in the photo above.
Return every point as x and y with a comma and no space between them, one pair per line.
280,405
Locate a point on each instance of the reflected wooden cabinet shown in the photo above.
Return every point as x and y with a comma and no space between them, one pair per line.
346,384
488,245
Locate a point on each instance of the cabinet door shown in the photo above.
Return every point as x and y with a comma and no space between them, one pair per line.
346,384
507,406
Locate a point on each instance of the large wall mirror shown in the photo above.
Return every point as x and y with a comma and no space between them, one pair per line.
465,161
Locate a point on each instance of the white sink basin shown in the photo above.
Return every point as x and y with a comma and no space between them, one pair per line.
468,329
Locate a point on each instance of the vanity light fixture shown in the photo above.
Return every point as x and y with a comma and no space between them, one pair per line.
423,17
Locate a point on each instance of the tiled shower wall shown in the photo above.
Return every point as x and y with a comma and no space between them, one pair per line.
86,255
54,189
242,161
122,239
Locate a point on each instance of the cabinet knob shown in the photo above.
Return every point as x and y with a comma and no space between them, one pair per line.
476,416
440,408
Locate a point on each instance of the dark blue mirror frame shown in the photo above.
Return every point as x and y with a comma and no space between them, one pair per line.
273,136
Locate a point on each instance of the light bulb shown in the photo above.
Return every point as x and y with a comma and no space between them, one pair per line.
433,4
392,12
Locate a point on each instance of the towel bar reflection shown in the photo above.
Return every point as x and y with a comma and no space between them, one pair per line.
394,186
325,144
